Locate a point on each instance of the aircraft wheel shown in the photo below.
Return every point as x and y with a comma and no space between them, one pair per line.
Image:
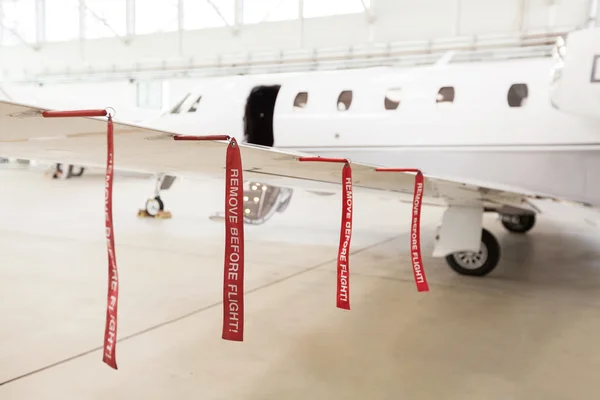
477,263
518,223
154,206
79,172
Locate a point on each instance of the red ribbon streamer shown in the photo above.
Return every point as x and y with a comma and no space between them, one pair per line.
110,331
415,231
233,282
233,271
415,236
343,261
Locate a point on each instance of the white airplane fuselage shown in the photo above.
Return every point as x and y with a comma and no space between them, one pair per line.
532,148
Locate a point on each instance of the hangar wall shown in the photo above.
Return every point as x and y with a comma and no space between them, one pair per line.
386,20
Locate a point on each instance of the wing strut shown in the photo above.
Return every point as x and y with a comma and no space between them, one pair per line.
343,259
415,231
233,274
110,330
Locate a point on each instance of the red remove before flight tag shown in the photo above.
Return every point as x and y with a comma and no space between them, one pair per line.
415,227
233,282
110,331
343,261
415,236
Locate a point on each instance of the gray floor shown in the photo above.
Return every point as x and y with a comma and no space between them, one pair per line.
528,331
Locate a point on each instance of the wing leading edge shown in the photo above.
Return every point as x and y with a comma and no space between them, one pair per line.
24,133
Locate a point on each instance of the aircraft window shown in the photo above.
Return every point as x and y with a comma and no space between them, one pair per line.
194,106
392,98
177,108
517,95
445,95
344,100
301,100
596,70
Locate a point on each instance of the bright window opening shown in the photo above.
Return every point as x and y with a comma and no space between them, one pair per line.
200,14
105,18
62,20
324,8
257,11
155,16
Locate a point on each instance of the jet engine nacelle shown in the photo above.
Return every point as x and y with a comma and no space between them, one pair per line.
575,85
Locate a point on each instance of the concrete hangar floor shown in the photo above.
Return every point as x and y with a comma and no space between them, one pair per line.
529,330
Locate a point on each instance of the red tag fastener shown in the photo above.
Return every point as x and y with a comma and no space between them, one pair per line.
343,259
110,330
415,234
74,113
233,274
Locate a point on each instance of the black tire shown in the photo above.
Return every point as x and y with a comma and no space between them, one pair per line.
161,206
492,257
518,223
78,173
60,171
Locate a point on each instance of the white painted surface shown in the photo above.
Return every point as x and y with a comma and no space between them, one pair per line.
576,86
477,138
460,230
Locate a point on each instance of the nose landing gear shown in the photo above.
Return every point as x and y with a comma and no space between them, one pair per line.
155,207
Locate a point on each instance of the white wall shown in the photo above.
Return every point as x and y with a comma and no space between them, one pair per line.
396,20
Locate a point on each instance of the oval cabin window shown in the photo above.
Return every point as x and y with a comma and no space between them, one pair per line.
392,99
301,100
445,95
344,100
517,95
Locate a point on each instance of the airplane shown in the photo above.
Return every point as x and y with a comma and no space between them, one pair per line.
489,136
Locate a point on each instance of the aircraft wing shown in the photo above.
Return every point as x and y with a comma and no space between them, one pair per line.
25,133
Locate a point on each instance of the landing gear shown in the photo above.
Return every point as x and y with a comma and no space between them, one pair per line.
518,223
77,171
67,171
155,207
477,263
